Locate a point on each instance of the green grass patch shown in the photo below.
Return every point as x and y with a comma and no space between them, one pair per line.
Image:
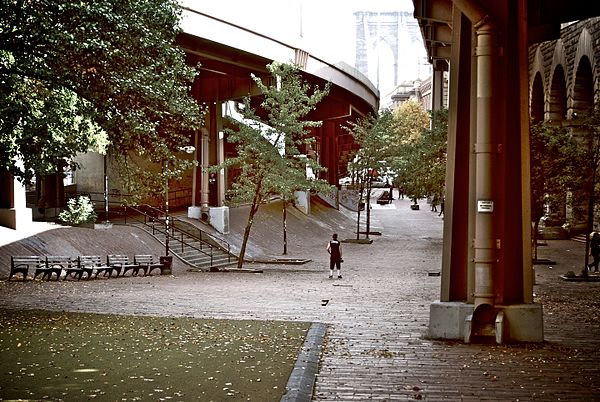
78,357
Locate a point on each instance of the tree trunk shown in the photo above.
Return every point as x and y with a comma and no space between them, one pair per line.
253,210
368,206
360,198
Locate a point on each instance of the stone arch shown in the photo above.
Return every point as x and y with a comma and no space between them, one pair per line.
582,88
557,90
557,95
537,99
536,83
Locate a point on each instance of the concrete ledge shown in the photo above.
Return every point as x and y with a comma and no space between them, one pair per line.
581,278
522,322
282,261
358,241
219,219
301,383
15,218
447,319
194,212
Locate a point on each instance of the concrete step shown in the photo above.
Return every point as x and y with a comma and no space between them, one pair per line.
192,255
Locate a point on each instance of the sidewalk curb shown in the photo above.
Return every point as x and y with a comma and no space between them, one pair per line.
301,383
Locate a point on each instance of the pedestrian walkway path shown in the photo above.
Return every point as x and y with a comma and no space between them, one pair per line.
376,347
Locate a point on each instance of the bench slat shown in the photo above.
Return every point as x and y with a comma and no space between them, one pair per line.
22,263
148,261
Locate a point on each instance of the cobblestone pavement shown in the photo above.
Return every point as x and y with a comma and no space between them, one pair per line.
376,346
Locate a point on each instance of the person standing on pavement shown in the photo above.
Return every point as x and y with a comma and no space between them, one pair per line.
334,248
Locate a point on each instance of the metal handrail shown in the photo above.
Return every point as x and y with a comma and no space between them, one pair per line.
222,243
219,242
149,218
159,214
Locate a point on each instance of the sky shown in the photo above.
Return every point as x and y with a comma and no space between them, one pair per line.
324,28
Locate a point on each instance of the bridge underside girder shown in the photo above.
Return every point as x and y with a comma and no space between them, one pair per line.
486,260
225,74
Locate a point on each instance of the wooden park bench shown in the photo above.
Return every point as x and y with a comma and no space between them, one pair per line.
22,263
121,264
91,265
55,265
147,263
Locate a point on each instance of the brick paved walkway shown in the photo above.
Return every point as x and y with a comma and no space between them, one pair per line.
377,316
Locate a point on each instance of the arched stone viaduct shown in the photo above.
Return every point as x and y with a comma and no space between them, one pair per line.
564,74
564,83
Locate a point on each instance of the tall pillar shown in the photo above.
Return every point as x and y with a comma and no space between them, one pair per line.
218,213
194,211
485,150
14,213
220,143
204,144
329,151
457,231
494,292
437,86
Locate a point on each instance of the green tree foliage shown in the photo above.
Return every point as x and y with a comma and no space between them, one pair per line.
79,210
374,134
74,72
271,156
555,154
409,120
420,155
587,161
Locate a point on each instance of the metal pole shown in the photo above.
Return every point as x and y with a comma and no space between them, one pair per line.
284,227
105,192
166,209
368,202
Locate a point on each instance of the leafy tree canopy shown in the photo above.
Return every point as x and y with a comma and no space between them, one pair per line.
555,156
409,120
81,74
419,156
272,152
375,136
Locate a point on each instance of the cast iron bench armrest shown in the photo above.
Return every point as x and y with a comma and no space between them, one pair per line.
55,264
92,264
147,263
121,264
22,263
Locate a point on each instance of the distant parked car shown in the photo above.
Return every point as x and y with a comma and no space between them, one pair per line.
345,180
379,182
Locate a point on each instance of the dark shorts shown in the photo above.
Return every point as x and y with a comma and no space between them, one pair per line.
335,263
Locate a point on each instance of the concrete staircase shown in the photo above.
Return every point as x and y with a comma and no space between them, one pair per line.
191,245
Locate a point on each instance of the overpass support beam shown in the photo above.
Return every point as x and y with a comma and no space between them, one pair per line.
486,265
